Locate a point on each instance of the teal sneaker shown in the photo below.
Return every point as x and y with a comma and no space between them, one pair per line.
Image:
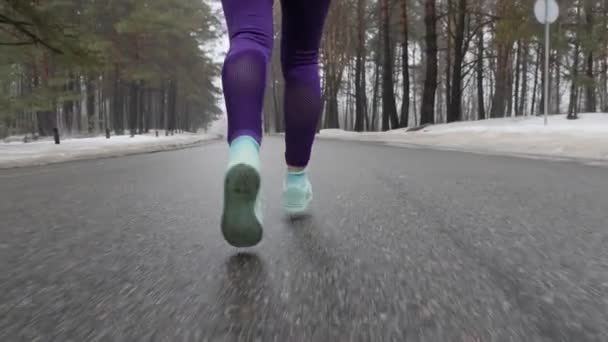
297,193
242,214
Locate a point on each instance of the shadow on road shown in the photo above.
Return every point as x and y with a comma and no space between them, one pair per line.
244,295
244,266
315,241
298,218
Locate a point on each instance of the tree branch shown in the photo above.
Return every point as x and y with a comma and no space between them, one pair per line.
16,43
35,38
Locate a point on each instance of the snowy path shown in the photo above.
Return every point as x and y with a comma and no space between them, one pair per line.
46,152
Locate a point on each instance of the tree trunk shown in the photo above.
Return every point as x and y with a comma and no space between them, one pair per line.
326,91
140,107
524,81
68,106
448,58
604,74
427,114
84,107
389,108
481,109
504,55
590,85
97,104
590,88
172,103
117,112
149,110
517,78
133,104
76,117
375,93
90,103
415,91
331,116
558,80
536,71
440,101
572,112
360,69
604,80
501,87
166,107
454,112
331,110
362,96
574,89
348,104
405,68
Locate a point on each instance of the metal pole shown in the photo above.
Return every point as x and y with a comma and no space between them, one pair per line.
546,60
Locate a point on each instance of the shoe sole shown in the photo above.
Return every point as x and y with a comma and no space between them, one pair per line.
240,225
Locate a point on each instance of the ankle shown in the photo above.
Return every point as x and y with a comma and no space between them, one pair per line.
297,177
244,149
245,142
296,169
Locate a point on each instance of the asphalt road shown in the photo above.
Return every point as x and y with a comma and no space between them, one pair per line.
402,245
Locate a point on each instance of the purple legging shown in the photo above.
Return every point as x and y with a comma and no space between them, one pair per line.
245,69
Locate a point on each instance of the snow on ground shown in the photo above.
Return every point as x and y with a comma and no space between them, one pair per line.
219,127
585,138
587,123
16,154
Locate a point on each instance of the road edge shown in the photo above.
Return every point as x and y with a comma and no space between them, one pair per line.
144,149
485,152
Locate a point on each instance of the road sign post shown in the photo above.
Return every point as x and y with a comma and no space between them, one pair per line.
546,12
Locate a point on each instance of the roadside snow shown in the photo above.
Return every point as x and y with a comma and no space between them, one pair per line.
585,138
587,123
17,154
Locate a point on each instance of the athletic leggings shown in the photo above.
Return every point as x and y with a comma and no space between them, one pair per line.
246,65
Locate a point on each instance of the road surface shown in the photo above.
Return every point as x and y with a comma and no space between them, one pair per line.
403,244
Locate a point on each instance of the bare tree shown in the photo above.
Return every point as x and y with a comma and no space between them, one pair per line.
427,115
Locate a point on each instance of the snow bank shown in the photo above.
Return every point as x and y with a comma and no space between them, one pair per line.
219,127
585,138
587,123
16,154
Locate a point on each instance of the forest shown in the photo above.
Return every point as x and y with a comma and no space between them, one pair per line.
391,64
126,66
